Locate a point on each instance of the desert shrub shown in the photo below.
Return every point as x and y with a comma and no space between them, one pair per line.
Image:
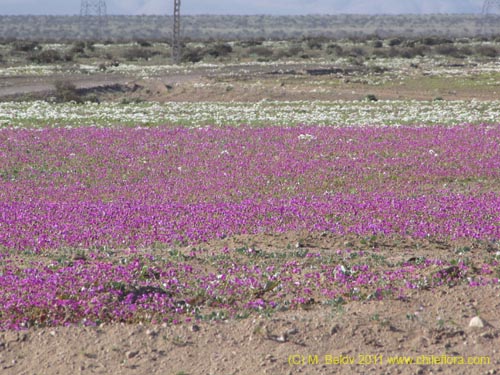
252,42
89,44
382,53
314,43
466,51
78,47
411,52
137,53
219,49
49,56
357,52
126,101
487,51
143,43
25,46
192,55
294,51
408,53
378,69
395,42
260,51
334,49
66,91
447,50
434,41
394,52
371,98
378,44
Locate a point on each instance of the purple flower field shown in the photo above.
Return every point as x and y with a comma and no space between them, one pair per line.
122,188
125,199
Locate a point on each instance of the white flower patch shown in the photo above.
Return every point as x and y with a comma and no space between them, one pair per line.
336,113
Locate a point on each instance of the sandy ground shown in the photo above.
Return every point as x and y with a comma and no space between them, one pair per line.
277,345
317,339
237,83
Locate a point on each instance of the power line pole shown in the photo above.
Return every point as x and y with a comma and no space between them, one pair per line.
176,35
93,16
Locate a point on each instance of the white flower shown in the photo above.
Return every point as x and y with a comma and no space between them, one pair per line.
307,137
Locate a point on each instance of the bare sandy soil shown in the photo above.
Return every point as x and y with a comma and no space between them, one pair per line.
238,83
358,337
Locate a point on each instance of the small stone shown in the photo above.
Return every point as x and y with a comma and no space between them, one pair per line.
151,333
487,335
476,322
270,358
131,354
282,338
335,329
195,328
52,333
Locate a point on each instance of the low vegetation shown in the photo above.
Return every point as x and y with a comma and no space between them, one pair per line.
304,49
207,27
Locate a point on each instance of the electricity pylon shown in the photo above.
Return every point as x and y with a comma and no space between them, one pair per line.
93,16
491,7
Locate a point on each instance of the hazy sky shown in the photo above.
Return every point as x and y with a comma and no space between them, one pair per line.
279,7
